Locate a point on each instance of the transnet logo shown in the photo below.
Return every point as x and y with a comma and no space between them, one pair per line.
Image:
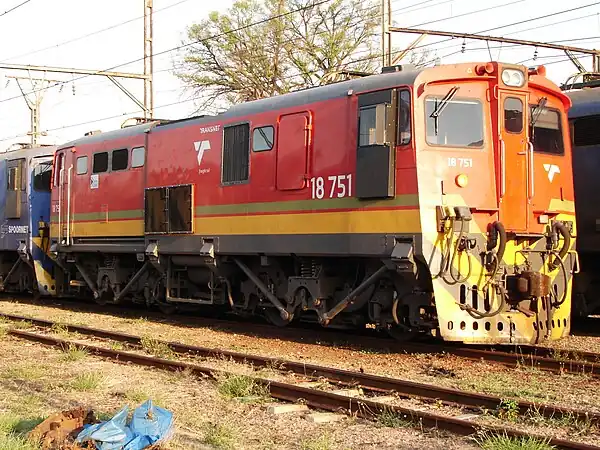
551,169
201,147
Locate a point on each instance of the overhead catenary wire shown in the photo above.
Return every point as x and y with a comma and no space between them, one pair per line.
14,8
274,17
93,33
179,47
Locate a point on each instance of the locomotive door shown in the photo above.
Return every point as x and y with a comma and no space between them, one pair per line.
63,182
514,154
375,146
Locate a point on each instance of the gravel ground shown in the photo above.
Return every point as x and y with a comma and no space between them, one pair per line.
36,381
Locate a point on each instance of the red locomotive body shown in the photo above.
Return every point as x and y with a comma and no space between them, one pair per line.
351,204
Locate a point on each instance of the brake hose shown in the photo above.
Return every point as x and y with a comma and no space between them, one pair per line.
562,229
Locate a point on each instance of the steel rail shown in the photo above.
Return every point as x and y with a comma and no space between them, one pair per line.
509,359
364,380
367,409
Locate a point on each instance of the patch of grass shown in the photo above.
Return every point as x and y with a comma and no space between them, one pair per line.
13,430
575,425
117,346
508,385
17,442
74,353
87,381
22,324
157,348
390,418
59,328
503,442
220,436
242,386
508,410
24,372
323,442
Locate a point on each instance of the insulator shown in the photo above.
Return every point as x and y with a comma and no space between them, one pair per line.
73,88
535,54
464,46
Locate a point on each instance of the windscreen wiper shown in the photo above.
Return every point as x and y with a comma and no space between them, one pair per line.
439,107
537,110
264,135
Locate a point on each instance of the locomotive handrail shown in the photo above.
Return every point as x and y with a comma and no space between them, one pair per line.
531,170
503,168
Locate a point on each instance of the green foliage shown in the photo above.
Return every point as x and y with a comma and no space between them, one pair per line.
244,54
503,442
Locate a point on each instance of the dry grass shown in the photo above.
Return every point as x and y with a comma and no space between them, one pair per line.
499,442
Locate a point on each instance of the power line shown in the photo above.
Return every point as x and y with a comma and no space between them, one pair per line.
14,7
275,17
93,33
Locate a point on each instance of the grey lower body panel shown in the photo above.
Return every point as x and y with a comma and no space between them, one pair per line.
356,245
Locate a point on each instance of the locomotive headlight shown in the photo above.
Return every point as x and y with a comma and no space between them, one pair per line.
462,180
512,77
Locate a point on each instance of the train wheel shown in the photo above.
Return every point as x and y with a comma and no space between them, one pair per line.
167,308
401,333
274,317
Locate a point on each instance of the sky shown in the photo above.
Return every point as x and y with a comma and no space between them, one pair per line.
38,32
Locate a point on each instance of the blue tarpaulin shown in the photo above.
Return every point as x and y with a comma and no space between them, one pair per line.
149,425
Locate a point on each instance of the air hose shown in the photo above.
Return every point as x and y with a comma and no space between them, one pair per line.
496,230
564,232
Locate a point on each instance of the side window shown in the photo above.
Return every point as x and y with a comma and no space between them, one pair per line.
454,123
262,139
404,116
367,126
586,131
100,162
236,153
58,167
12,183
546,131
513,115
42,176
82,165
120,159
137,157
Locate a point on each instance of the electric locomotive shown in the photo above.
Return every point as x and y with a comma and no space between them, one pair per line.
25,216
584,117
434,200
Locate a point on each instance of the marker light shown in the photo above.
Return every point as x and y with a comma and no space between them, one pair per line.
512,77
462,180
543,218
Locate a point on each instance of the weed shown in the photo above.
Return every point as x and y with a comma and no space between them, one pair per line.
503,442
242,386
22,324
74,353
219,436
323,442
508,410
60,328
156,347
392,419
23,372
16,442
117,346
86,381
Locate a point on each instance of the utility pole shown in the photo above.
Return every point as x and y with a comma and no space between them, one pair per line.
39,86
148,68
386,35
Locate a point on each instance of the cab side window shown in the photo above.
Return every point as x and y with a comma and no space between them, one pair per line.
404,118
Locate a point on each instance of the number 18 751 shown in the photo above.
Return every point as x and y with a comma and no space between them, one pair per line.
333,186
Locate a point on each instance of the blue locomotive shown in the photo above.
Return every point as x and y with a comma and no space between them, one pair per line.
25,264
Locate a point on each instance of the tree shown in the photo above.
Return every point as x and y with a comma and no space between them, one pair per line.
246,54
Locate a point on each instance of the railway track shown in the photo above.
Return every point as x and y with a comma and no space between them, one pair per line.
538,357
379,388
